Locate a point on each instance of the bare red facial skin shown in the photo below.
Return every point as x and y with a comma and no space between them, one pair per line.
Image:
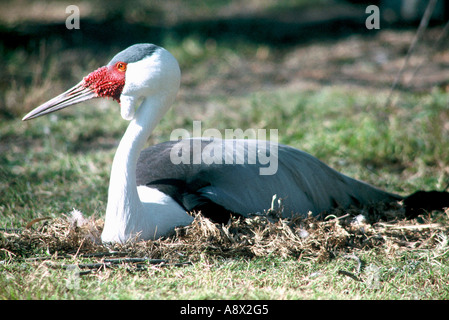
107,81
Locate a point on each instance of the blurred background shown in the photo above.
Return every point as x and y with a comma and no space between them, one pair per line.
277,42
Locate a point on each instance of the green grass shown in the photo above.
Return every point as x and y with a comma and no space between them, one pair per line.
416,275
52,174
53,164
48,175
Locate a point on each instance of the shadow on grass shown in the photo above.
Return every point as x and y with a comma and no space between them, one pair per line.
275,30
282,25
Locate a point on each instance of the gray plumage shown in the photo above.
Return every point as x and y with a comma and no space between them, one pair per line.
134,53
302,182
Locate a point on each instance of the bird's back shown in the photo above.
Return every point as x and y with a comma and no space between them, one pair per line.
213,182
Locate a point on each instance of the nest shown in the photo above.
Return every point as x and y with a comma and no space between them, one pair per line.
341,232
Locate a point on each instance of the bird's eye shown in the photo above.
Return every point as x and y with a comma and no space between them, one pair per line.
121,66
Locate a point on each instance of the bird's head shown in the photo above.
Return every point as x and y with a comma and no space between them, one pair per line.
136,73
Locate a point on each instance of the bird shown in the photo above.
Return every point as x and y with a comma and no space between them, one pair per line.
150,194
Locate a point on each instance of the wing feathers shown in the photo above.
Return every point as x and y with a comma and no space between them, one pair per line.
302,181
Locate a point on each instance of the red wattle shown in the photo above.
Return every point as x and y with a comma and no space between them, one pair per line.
106,82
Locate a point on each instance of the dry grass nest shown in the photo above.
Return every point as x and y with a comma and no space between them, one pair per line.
341,232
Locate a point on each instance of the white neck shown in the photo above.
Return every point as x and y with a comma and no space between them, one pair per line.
124,209
133,210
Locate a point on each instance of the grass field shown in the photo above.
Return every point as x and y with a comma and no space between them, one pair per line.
325,92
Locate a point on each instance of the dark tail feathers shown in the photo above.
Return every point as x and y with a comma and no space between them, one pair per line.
425,201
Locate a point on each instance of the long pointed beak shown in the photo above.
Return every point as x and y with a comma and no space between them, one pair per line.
74,95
